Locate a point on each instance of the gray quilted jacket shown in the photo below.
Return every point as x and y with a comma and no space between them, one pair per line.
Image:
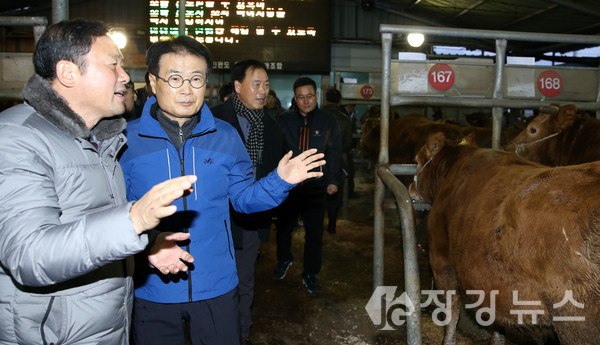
65,231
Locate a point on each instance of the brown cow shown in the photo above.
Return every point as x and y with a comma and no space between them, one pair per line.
408,133
501,223
559,136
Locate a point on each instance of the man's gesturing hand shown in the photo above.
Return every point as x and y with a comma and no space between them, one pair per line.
296,170
167,256
147,212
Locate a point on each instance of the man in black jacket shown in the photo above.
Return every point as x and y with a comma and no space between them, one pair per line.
307,126
244,111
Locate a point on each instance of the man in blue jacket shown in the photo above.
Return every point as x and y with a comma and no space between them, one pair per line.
177,135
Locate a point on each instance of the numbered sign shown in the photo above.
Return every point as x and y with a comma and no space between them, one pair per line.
367,91
550,83
441,76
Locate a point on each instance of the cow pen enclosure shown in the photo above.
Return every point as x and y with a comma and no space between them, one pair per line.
462,84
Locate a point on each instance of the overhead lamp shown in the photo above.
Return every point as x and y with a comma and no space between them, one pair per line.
367,5
415,39
119,39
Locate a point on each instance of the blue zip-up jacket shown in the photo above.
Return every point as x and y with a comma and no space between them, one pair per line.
215,153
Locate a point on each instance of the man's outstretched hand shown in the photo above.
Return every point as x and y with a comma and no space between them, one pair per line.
297,169
147,212
167,256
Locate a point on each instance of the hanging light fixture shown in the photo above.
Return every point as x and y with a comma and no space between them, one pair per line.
415,39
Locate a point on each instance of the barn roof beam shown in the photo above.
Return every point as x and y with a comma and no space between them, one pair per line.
467,10
560,47
529,16
574,6
387,7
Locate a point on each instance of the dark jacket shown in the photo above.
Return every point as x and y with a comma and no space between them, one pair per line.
319,130
344,124
271,155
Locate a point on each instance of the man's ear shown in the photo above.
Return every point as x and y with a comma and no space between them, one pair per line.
152,80
67,73
237,86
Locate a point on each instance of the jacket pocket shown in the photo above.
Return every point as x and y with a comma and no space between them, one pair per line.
45,314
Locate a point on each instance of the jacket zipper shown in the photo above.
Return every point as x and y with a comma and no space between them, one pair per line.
303,140
185,207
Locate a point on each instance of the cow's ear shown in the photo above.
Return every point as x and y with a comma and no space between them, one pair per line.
551,109
468,139
566,116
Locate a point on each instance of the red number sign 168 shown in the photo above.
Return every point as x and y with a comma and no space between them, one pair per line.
550,83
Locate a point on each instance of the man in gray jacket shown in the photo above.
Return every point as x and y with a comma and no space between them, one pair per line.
66,228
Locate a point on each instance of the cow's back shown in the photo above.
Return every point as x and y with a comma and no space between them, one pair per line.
580,143
515,226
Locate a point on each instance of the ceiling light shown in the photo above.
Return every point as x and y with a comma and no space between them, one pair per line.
119,39
415,39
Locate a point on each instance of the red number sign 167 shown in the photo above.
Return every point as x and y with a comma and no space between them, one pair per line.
441,77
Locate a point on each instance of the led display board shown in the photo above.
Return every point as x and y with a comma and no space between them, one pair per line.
287,35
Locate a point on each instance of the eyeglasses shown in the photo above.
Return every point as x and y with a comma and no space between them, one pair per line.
176,81
308,97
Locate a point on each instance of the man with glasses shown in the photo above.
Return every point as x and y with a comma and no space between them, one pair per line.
306,126
177,134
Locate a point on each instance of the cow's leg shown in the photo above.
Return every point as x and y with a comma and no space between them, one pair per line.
450,328
443,273
498,338
571,329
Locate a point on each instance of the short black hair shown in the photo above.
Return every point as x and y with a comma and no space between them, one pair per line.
178,45
238,72
225,90
69,40
303,81
333,95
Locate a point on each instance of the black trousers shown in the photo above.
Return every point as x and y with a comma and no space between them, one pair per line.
210,322
244,260
310,205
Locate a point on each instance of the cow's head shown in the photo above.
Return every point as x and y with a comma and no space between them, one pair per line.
550,122
422,188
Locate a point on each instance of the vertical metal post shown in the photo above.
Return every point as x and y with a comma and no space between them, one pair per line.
598,93
38,30
181,17
497,112
409,249
378,220
60,10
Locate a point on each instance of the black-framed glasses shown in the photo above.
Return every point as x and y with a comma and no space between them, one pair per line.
176,81
308,97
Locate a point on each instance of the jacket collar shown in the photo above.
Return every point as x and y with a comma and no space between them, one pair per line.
309,115
149,126
39,94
